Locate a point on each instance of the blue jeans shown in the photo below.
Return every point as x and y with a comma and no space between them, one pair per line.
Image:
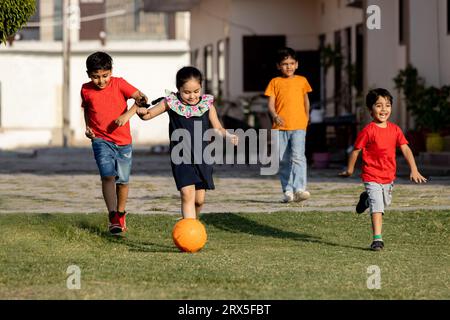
292,160
113,160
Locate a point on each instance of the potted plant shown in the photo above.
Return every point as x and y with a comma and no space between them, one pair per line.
434,115
429,106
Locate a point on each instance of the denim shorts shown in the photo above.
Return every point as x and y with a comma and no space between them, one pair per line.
113,160
380,195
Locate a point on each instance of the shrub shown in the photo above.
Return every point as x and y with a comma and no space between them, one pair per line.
13,15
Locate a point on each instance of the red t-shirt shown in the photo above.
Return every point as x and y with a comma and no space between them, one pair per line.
106,105
378,151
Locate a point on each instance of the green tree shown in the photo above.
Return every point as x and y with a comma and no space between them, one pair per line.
13,15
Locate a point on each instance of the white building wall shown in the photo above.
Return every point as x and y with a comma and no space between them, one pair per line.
31,88
294,19
210,23
424,42
213,20
384,55
336,15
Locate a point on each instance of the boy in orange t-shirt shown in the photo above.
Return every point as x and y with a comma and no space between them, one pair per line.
106,113
289,108
378,142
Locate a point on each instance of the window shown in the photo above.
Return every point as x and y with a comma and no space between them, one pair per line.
90,30
57,28
260,60
222,66
194,58
207,69
448,16
337,72
401,22
348,67
32,33
135,23
359,58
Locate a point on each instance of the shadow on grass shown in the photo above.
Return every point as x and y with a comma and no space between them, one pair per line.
237,223
134,245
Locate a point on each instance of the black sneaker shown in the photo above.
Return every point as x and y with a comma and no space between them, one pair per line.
363,204
377,245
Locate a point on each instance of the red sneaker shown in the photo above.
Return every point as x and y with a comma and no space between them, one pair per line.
122,220
114,223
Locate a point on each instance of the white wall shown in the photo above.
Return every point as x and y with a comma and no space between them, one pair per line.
209,24
294,19
336,16
424,41
213,20
31,84
385,56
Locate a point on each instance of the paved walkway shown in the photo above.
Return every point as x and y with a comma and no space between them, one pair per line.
66,181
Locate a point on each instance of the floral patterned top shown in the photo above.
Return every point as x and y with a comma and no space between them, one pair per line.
187,110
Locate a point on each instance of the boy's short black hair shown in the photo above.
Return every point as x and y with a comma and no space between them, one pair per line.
374,94
98,61
285,53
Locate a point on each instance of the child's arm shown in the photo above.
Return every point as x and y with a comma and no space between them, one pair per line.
88,132
147,114
139,99
415,174
276,118
307,106
214,119
351,163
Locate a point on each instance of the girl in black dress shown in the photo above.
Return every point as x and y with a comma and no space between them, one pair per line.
190,114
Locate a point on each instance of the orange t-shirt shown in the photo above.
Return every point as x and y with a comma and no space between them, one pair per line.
106,105
289,96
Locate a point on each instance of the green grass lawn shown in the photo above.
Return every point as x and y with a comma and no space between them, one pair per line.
283,255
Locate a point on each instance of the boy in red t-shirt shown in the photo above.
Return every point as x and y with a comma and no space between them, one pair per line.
106,113
378,141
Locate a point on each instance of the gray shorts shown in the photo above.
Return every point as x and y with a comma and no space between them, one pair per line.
380,195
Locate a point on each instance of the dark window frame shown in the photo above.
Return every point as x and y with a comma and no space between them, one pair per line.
208,52
402,22
448,17
221,74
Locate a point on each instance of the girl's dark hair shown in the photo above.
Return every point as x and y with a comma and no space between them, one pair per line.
98,61
187,73
374,94
285,53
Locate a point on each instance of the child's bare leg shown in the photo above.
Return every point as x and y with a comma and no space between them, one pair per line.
109,192
188,201
377,223
122,196
199,200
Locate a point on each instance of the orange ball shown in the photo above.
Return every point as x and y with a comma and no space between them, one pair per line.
189,235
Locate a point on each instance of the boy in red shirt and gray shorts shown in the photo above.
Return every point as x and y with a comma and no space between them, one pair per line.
378,141
106,113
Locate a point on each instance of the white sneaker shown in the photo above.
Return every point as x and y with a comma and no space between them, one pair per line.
301,196
288,197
